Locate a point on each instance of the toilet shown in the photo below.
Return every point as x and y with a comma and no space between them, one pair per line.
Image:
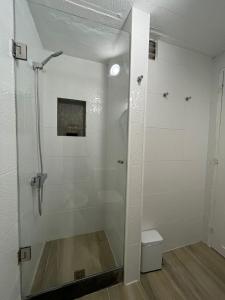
151,251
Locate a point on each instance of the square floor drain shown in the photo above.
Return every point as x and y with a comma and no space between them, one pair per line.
79,274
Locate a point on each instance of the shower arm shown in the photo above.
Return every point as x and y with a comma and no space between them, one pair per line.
40,66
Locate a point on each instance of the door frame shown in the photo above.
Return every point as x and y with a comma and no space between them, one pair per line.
215,162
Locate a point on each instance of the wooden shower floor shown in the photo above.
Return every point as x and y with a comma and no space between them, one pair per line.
61,258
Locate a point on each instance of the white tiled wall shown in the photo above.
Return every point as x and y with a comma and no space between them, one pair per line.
176,137
9,274
74,164
72,195
140,26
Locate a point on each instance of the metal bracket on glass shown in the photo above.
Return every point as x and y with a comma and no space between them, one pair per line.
24,254
19,50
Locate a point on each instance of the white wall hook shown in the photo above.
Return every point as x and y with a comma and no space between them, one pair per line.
139,79
188,98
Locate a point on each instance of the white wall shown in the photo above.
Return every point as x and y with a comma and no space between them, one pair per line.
9,274
176,138
140,26
73,201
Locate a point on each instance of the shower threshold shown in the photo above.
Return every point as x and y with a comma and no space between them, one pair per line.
82,287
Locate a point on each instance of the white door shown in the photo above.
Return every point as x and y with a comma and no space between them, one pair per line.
218,234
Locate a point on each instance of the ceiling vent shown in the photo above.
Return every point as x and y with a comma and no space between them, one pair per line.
152,49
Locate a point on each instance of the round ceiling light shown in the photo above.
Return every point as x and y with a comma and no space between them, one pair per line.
114,70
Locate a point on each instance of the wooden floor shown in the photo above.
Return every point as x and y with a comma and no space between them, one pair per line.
119,292
189,273
61,258
192,272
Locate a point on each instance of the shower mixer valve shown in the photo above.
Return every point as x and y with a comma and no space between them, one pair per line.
38,180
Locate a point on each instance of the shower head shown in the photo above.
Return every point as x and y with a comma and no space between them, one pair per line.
40,66
55,54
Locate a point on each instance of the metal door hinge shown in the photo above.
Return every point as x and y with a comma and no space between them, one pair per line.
24,254
19,50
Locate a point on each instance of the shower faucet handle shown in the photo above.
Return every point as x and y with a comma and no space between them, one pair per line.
38,180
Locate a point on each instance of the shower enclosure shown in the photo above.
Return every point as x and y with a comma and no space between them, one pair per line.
72,115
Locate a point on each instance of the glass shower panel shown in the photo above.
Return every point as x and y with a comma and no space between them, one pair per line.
83,114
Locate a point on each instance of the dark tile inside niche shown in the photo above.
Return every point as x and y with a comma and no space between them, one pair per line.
71,117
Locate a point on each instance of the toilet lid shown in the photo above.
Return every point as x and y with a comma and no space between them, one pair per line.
151,237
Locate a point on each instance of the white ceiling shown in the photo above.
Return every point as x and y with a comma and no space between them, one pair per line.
79,32
119,9
193,24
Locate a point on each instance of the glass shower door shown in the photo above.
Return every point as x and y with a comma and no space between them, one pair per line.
83,109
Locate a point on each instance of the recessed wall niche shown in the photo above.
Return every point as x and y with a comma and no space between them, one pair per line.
71,117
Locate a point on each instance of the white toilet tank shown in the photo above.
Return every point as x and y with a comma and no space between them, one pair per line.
151,251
